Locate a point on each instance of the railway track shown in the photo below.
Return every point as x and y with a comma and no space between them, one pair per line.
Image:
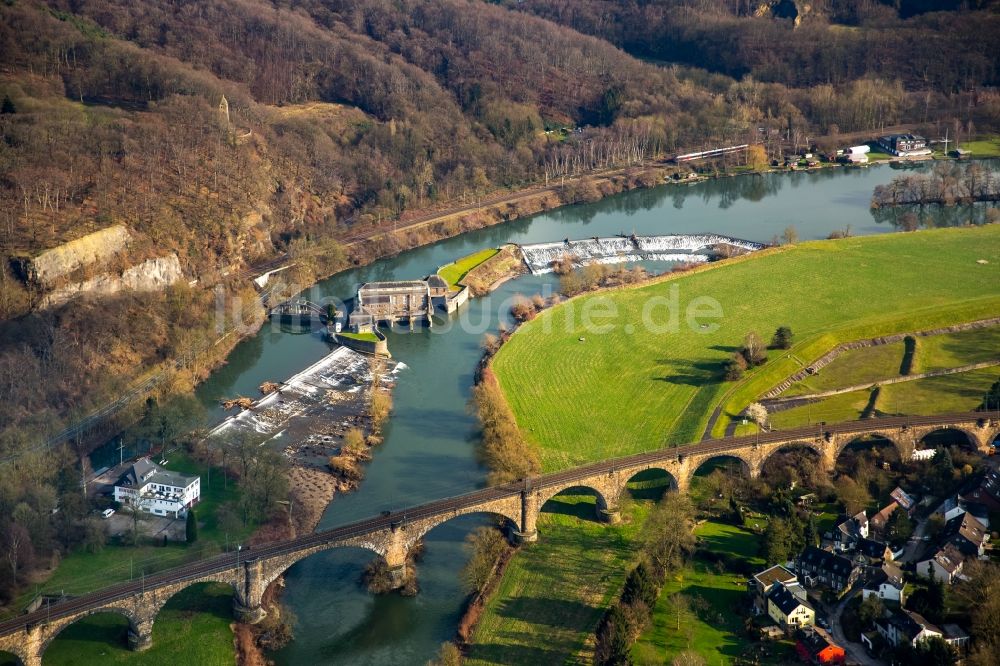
448,505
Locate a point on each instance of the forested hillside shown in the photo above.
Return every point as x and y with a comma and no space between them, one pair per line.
343,115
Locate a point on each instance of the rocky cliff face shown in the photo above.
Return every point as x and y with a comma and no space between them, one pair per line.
150,275
51,265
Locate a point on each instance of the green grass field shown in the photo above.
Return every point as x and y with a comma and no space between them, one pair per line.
877,154
363,337
620,392
935,395
455,272
984,148
952,350
836,408
193,628
715,632
854,366
555,591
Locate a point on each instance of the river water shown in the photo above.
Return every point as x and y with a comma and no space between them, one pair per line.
429,450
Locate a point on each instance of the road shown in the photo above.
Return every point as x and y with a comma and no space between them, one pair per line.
855,651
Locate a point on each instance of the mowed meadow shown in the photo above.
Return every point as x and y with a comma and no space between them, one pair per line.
583,395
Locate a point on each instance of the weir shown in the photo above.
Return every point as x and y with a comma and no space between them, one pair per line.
615,249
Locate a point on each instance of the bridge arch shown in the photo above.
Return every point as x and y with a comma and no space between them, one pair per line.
9,658
708,464
868,442
501,517
649,483
131,618
275,568
600,493
942,436
784,447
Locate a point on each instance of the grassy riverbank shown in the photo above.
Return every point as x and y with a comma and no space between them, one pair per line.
555,591
628,390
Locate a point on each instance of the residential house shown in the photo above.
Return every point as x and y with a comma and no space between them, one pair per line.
871,551
955,636
156,490
904,500
985,491
850,531
787,606
903,145
881,519
886,583
946,564
816,646
950,508
967,534
903,626
821,567
759,585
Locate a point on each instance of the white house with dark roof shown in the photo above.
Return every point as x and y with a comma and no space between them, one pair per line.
156,490
761,583
946,564
886,583
905,626
786,605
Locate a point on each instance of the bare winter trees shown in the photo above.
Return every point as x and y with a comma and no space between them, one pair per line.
946,183
503,449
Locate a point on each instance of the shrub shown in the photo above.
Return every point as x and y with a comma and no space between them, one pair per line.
735,367
522,310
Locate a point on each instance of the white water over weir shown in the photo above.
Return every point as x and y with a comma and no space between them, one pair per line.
620,249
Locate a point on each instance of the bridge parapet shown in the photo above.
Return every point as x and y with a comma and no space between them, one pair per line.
392,537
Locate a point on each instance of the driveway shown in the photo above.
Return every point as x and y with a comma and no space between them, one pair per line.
855,651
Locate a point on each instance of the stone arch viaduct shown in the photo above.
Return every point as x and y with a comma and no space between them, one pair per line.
391,535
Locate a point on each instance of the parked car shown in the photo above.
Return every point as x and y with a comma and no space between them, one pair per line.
107,513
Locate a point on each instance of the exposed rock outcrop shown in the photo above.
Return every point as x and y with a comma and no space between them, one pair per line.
46,268
151,275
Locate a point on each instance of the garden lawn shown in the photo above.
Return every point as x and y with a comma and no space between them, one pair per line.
193,628
363,337
631,389
854,366
455,272
715,632
555,591
721,537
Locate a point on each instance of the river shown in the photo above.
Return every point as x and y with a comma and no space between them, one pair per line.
429,451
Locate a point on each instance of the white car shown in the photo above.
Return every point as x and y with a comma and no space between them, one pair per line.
107,513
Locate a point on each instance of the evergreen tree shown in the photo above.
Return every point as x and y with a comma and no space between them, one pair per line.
942,470
811,533
8,106
777,539
782,338
191,527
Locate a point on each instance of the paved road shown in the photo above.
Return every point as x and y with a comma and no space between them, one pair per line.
855,651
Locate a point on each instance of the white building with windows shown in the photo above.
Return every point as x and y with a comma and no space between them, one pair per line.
156,490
